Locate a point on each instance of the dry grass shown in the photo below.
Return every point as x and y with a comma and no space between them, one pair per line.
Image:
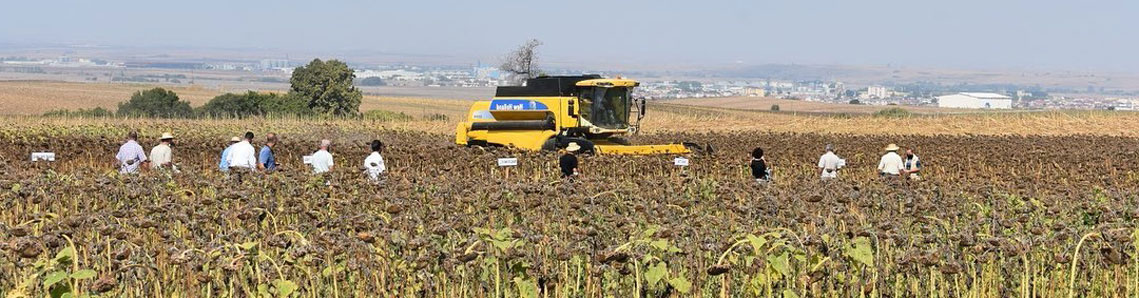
787,105
37,97
697,115
672,118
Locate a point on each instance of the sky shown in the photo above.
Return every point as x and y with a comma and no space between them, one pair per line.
984,34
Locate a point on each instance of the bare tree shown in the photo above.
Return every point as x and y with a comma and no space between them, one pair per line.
520,64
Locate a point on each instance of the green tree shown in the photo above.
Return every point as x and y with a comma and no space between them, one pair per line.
158,103
253,104
327,85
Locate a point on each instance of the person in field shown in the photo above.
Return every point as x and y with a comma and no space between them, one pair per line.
568,161
242,156
161,156
891,165
223,165
374,164
322,159
830,163
759,170
130,155
912,167
267,161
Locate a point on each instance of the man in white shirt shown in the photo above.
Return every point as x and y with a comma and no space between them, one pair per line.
374,163
242,156
130,155
829,164
322,160
161,156
891,165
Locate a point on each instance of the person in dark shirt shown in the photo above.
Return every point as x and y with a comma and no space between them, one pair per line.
759,169
568,161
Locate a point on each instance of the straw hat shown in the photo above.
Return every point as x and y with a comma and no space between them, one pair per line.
573,147
892,147
234,139
167,136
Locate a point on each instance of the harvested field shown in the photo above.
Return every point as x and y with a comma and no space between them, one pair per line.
996,216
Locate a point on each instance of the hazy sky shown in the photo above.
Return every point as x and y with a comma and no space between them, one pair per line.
1065,34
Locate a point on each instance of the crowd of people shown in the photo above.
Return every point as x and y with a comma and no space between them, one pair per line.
890,166
239,157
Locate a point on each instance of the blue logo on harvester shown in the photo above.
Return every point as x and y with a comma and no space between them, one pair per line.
517,105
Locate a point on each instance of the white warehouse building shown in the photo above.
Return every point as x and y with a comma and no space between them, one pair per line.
975,100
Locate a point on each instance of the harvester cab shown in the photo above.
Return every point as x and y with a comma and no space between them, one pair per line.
549,112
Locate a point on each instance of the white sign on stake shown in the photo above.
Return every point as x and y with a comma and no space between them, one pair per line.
307,159
507,162
680,162
44,156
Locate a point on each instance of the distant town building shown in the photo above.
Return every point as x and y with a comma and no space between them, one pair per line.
975,100
267,64
754,91
878,92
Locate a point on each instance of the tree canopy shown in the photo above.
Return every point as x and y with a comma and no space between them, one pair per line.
252,103
520,64
327,86
156,103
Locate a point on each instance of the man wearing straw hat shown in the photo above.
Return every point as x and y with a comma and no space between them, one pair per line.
568,161
891,165
223,165
161,156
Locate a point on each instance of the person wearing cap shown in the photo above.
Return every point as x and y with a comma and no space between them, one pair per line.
242,156
759,169
322,159
130,155
891,165
374,163
830,163
568,161
162,156
267,161
223,165
912,165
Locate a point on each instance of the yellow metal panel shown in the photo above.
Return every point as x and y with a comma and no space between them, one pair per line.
642,149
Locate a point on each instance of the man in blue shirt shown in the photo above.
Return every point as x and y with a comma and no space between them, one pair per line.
223,165
266,161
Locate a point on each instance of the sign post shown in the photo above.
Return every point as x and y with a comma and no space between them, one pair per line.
508,163
43,156
682,163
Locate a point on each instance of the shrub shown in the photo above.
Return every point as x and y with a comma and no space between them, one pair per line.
893,113
383,115
370,81
775,108
156,103
855,102
254,104
96,112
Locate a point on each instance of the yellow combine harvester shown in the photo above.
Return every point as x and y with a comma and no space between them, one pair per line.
550,112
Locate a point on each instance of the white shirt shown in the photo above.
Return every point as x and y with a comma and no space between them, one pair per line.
160,156
242,155
891,164
374,165
321,161
830,163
